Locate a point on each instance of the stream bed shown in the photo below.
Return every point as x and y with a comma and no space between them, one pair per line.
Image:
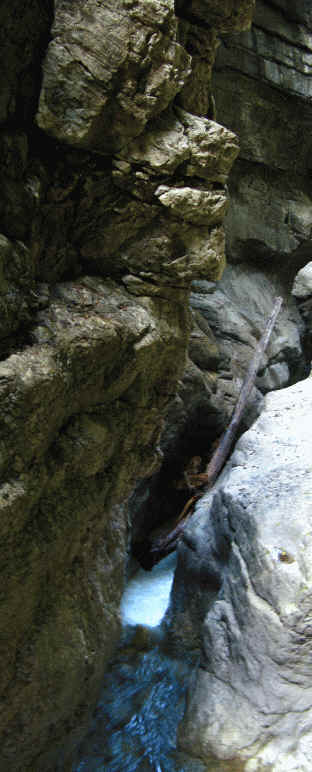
144,690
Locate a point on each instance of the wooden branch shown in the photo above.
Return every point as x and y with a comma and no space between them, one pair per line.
227,440
166,544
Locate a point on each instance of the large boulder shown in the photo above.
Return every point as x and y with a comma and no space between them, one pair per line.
242,594
100,96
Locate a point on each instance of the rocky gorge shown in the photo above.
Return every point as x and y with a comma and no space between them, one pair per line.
143,142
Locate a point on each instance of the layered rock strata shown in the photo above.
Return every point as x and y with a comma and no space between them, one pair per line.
268,69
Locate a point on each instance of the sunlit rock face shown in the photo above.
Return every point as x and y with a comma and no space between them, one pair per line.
107,98
112,202
268,69
243,595
100,96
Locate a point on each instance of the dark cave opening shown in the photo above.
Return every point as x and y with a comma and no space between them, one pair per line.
157,502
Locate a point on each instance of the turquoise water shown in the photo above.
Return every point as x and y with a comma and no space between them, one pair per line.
136,720
144,690
146,596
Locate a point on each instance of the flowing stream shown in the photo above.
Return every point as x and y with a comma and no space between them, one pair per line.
144,690
146,596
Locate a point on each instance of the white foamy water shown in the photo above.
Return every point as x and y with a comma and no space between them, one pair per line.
146,596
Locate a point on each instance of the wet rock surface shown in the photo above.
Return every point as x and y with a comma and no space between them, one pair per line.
141,704
244,596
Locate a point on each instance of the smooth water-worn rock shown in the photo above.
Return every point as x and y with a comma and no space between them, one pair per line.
236,313
243,594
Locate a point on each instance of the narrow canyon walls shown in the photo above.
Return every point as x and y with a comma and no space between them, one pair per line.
242,589
261,89
113,197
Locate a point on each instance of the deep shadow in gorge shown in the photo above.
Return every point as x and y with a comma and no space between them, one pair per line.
160,500
114,162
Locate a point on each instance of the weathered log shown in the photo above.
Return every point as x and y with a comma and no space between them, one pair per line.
162,547
227,440
167,543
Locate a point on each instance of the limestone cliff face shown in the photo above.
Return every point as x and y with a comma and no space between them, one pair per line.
261,86
263,89
113,196
240,597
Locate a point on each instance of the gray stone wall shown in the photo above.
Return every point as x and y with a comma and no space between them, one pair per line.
263,88
113,196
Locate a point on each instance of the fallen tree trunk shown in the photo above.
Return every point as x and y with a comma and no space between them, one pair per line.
162,547
227,440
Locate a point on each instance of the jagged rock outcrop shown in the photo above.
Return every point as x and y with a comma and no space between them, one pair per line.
261,84
80,412
112,202
102,96
302,286
243,595
113,175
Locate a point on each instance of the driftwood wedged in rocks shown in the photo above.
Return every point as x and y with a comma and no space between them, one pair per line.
164,545
227,440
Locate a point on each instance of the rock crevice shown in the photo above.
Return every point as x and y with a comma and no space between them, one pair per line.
96,263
